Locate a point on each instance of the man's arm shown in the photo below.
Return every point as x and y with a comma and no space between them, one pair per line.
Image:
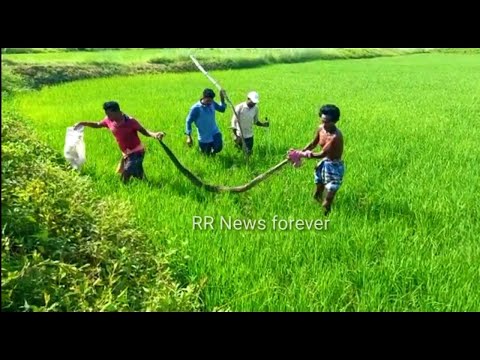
191,117
157,135
234,121
258,122
314,142
221,108
91,124
326,149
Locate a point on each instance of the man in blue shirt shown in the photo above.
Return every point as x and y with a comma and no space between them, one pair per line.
203,115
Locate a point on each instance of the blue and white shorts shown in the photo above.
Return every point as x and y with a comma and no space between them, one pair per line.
330,173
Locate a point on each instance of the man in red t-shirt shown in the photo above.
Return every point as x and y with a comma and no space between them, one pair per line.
125,129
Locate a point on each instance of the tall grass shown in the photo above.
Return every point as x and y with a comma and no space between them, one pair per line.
403,234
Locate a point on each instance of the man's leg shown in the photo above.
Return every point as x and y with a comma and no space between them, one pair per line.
139,171
205,148
327,204
125,176
249,145
121,166
133,167
237,141
320,187
217,143
318,195
333,179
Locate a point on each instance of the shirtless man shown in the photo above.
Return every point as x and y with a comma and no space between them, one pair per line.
330,170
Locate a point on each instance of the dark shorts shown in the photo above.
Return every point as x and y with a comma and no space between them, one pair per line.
213,147
133,165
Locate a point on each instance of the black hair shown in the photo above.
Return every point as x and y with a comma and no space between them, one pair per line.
208,93
111,106
332,111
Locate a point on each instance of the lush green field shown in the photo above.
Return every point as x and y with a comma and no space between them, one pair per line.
403,234
130,56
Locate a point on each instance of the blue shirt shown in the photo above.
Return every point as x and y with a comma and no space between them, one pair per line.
204,118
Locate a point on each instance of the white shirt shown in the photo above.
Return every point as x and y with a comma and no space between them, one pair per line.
248,116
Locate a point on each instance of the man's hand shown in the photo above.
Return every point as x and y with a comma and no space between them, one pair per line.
189,141
223,95
238,140
77,126
159,135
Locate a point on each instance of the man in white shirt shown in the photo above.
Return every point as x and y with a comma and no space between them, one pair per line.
247,112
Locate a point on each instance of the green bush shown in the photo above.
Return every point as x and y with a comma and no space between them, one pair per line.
11,81
64,249
49,50
49,74
31,50
459,50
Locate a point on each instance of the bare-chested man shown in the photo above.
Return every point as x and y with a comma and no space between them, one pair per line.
330,170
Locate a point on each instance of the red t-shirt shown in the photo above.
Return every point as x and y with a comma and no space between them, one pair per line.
125,132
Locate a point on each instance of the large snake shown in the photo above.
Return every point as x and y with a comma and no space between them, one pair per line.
219,188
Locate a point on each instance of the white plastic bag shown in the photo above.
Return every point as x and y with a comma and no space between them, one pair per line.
74,150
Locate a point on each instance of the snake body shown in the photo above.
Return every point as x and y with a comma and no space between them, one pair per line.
219,188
